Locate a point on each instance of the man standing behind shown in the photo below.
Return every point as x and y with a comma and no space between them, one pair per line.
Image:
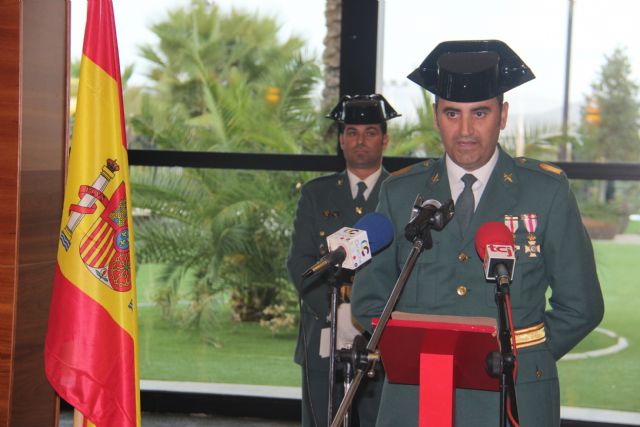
327,204
534,201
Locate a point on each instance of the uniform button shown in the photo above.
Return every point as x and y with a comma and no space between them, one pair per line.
462,290
322,233
539,373
462,257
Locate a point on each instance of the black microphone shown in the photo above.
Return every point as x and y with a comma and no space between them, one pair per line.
334,257
426,215
354,246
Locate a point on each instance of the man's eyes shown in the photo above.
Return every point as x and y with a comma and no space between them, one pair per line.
477,114
368,133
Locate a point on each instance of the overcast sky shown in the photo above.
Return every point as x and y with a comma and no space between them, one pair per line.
536,30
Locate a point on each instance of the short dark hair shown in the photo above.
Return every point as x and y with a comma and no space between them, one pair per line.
383,127
500,99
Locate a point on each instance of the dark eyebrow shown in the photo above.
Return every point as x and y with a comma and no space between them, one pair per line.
483,108
450,109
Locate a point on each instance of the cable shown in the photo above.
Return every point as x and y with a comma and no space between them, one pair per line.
514,350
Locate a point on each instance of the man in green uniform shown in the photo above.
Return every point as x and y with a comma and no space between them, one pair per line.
327,204
534,201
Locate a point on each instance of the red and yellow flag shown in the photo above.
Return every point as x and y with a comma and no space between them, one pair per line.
91,351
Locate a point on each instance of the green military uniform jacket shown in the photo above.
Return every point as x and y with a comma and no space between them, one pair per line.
449,279
325,206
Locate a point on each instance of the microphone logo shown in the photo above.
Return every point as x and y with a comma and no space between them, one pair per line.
498,250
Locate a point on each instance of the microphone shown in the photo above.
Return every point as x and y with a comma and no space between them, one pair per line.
352,247
494,243
426,215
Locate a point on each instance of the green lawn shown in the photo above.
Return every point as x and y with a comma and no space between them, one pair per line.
610,382
245,353
250,354
633,227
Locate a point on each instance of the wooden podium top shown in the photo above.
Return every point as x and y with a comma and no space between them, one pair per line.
468,339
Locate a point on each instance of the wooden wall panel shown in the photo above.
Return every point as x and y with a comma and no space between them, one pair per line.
10,143
43,127
33,117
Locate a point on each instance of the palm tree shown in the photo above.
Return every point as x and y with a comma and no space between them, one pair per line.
222,83
331,53
418,138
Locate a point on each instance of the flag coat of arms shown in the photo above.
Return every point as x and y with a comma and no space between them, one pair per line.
91,352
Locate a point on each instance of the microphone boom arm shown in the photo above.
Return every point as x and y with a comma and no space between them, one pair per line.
422,240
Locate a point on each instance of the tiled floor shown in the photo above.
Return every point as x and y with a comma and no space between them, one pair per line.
180,420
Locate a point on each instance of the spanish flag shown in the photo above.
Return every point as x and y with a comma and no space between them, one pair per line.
91,351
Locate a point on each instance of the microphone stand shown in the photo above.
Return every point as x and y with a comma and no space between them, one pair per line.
333,284
503,363
420,236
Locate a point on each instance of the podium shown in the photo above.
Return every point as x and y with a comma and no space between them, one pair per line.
440,354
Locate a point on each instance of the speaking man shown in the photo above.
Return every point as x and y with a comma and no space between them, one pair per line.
532,198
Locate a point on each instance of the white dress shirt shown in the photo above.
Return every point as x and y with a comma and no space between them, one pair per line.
455,174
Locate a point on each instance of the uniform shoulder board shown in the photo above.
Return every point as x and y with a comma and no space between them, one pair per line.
532,164
401,171
416,167
550,168
324,181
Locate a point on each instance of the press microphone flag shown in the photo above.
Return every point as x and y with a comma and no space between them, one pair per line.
494,243
353,246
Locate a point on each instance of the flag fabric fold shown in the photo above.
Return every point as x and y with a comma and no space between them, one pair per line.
91,351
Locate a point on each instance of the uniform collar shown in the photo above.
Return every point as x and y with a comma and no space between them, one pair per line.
370,181
482,174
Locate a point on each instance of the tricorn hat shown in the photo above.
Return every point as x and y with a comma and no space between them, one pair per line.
471,70
362,109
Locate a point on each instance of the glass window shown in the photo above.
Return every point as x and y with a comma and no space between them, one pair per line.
216,304
607,358
227,76
603,123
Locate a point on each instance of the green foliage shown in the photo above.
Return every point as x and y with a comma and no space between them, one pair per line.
419,138
221,82
224,230
614,136
224,82
605,205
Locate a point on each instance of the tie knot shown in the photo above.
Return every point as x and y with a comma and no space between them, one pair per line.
468,180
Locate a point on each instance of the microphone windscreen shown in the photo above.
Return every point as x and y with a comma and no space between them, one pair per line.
379,230
492,232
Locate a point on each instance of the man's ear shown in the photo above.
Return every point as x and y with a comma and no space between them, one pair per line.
435,116
341,140
504,113
385,141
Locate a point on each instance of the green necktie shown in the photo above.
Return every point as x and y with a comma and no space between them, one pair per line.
359,200
466,202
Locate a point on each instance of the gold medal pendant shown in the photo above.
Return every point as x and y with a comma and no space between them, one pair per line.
532,248
530,222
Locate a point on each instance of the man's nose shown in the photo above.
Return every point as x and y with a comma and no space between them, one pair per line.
466,125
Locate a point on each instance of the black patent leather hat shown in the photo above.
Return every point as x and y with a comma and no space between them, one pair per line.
362,109
471,70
